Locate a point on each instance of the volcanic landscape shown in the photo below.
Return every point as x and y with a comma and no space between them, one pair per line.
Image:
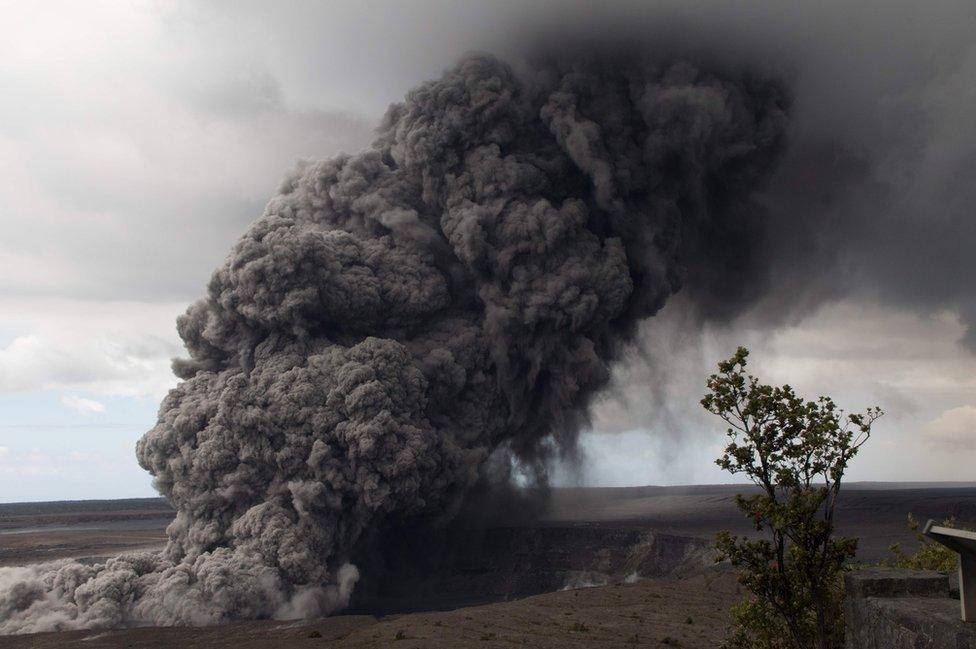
601,567
551,226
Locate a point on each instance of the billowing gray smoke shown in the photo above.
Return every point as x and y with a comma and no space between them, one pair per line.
398,317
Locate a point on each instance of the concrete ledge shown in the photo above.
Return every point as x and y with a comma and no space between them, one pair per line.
903,609
883,582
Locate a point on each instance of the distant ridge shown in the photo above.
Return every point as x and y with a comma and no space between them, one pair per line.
693,489
58,506
947,484
55,506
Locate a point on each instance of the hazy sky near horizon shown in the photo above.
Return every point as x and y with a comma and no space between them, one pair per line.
138,140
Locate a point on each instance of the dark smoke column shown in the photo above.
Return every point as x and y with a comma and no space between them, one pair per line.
459,290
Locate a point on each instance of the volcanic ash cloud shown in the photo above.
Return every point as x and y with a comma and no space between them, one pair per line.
396,317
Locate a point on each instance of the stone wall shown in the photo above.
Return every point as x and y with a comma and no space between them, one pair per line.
904,609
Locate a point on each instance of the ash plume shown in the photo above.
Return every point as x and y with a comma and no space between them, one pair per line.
400,319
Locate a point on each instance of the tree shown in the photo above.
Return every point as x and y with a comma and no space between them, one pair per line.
796,452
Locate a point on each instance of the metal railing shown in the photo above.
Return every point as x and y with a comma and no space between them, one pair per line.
964,544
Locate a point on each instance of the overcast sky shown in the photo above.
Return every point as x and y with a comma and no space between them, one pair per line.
138,140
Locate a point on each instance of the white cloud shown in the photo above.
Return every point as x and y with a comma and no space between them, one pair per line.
29,463
124,174
82,406
88,461
861,354
110,348
955,427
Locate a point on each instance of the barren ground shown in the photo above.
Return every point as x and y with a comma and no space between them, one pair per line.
36,532
689,612
658,612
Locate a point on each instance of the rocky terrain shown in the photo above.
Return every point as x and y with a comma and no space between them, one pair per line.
601,567
512,562
36,532
690,612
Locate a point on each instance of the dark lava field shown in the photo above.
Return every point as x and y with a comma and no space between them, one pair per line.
599,567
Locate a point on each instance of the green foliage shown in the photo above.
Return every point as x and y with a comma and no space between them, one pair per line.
796,452
756,624
929,556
